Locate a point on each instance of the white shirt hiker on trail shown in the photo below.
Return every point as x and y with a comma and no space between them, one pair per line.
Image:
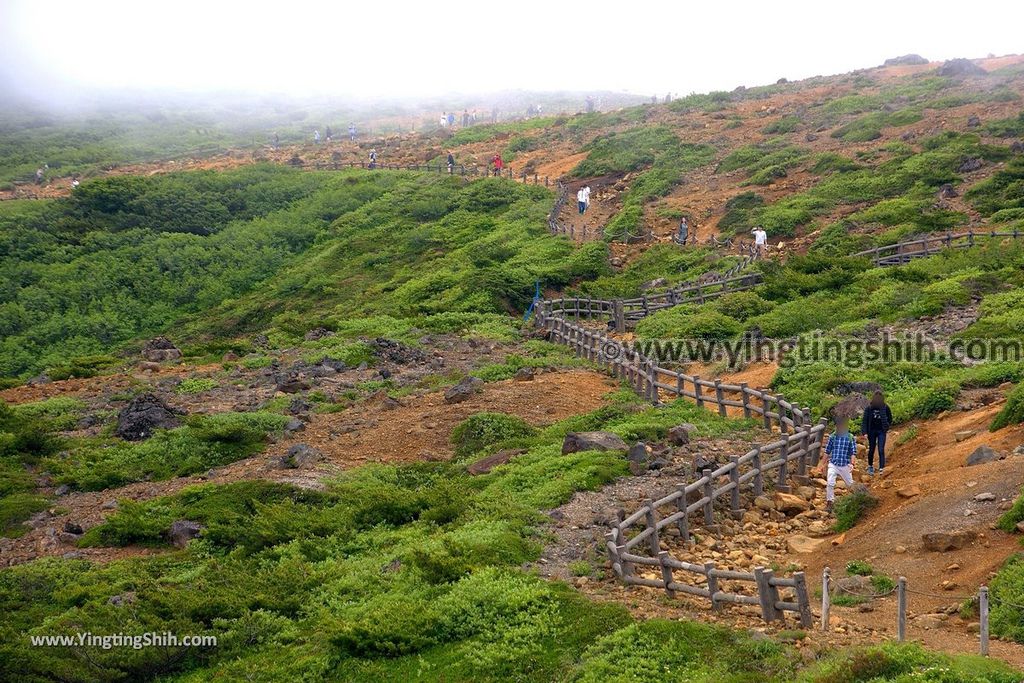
586,195
760,237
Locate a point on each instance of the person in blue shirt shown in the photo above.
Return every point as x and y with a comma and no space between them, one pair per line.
841,450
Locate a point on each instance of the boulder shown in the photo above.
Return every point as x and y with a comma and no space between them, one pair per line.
592,441
805,492
143,415
983,454
942,541
300,456
973,121
984,497
464,390
638,452
906,60
790,504
486,464
525,374
653,284
160,349
960,67
391,351
800,544
970,164
182,531
963,435
318,333
947,191
764,503
909,491
680,434
854,584
292,385
850,407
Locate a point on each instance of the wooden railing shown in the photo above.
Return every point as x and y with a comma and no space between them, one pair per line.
904,252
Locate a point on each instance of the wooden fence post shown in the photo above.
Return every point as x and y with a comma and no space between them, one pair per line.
772,591
826,599
709,568
652,378
666,572
983,615
709,506
720,397
803,600
801,464
734,478
684,522
901,609
784,467
697,396
764,594
759,477
766,405
745,392
620,316
782,413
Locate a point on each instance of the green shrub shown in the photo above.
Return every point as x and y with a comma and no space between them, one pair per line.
196,385
850,508
786,124
859,568
481,430
1012,411
742,305
15,509
687,322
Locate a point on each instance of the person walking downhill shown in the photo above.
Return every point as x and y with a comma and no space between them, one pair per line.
316,137
373,159
875,426
684,230
451,163
498,165
760,241
581,200
841,450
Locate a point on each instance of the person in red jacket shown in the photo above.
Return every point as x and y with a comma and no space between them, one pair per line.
498,164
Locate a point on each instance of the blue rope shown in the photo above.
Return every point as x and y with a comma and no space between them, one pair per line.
533,304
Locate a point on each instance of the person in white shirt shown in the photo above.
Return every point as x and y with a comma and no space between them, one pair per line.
760,240
581,200
586,197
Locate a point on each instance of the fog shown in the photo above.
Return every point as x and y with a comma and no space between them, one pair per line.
64,52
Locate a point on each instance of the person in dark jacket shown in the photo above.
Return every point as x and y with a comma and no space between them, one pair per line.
875,425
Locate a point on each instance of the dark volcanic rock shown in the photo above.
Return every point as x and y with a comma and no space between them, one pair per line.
592,441
160,349
144,414
463,390
906,60
391,351
182,531
485,465
961,67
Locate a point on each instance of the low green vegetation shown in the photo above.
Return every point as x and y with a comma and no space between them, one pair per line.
869,127
479,431
1012,412
764,162
196,385
850,508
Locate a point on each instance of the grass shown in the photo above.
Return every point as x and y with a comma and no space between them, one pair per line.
196,385
850,508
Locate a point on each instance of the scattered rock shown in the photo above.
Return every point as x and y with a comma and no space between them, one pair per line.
764,503
680,434
486,464
182,531
947,191
970,164
909,491
73,528
292,385
790,504
973,121
906,60
149,366
463,390
983,454
593,441
943,541
964,435
1020,527
300,456
143,415
525,374
229,357
805,492
986,496
960,67
391,351
160,349
62,490
122,599
109,505
900,549
653,284
638,452
318,333
854,584
803,544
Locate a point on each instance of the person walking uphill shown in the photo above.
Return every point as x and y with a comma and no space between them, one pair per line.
498,164
451,163
581,200
875,425
841,449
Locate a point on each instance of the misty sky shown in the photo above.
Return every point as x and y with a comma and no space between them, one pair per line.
423,47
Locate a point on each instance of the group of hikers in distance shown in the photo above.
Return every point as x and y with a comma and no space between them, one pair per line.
328,134
685,236
841,447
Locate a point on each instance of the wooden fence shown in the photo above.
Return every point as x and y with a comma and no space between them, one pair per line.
475,171
904,252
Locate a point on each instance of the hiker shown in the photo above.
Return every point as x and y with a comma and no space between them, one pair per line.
373,159
316,137
760,241
684,230
327,134
277,141
465,118
841,449
451,163
586,197
39,176
75,182
351,131
444,119
875,425
451,119
498,164
581,200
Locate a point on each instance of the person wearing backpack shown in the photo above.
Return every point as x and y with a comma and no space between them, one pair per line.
875,426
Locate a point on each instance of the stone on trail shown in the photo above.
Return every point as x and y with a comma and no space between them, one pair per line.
680,434
592,441
160,349
790,504
143,415
638,452
525,374
943,541
909,491
983,454
986,496
803,544
300,456
964,435
488,463
182,531
463,390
